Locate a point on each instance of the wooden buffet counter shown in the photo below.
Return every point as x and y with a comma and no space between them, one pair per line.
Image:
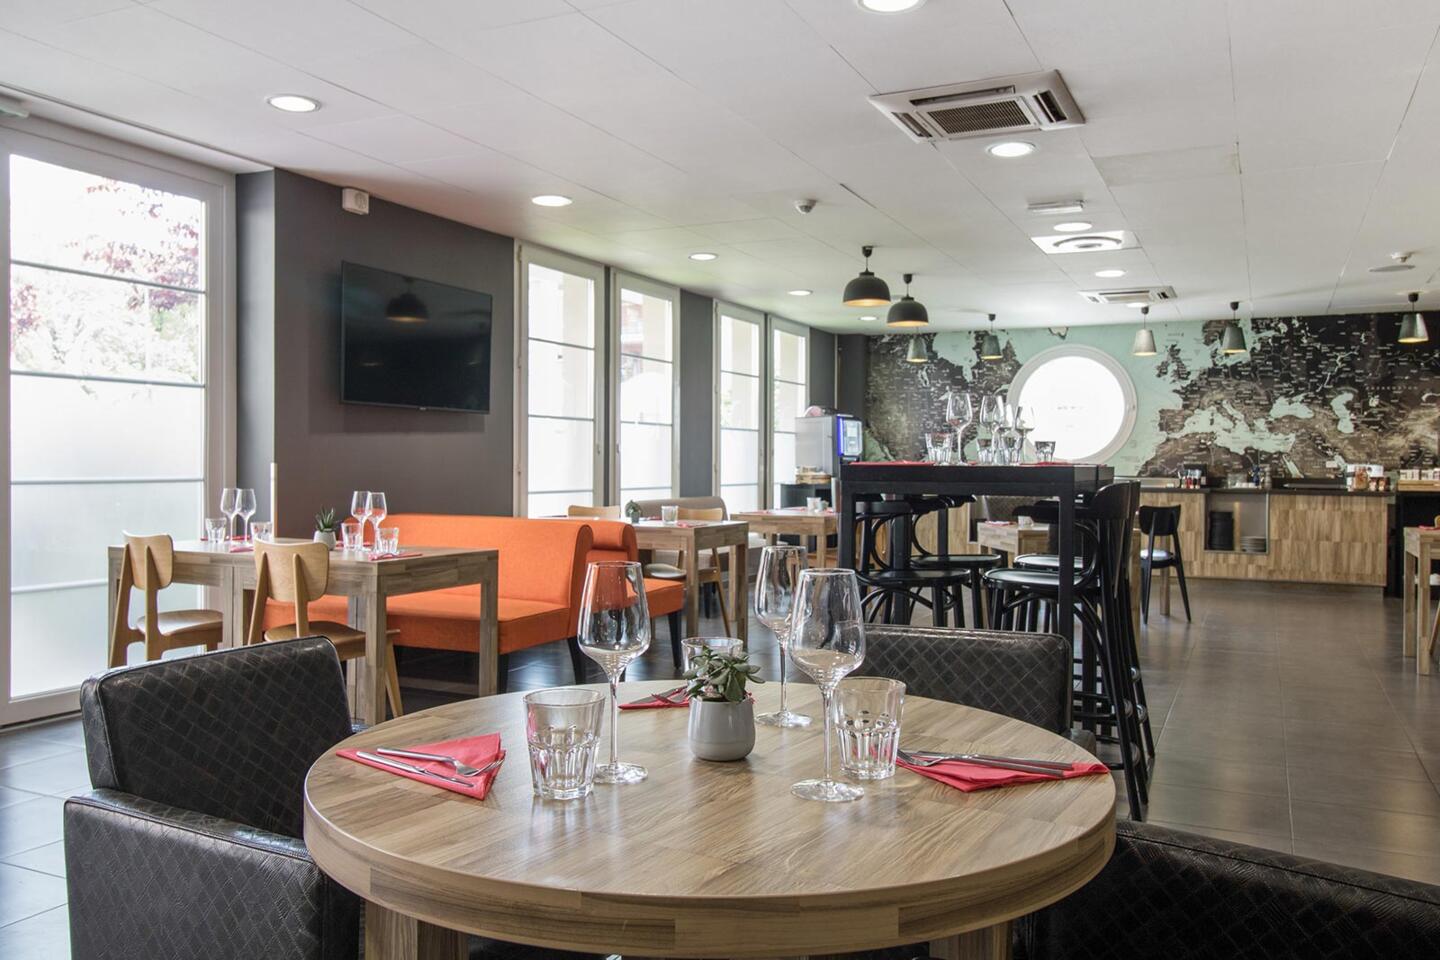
1310,537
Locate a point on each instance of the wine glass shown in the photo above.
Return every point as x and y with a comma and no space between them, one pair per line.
959,414
614,630
1023,426
375,508
360,510
827,641
229,506
246,507
775,583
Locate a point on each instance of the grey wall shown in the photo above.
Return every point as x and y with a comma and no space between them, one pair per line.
425,461
821,380
697,394
255,339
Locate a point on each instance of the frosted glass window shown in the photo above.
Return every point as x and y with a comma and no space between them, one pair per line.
739,412
561,374
562,306
562,455
562,380
107,402
1080,403
647,396
788,400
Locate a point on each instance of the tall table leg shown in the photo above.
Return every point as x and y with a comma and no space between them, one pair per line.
1408,632
371,705
690,561
489,631
739,580
845,535
1065,620
987,943
394,936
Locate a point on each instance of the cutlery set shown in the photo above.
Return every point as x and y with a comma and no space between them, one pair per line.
1045,768
384,755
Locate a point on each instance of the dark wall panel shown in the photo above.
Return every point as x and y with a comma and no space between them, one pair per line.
255,333
852,371
697,394
822,368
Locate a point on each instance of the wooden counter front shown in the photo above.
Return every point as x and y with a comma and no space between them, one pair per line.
1312,538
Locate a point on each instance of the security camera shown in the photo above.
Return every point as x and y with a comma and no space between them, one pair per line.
804,206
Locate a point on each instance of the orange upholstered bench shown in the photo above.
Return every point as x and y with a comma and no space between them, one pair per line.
542,569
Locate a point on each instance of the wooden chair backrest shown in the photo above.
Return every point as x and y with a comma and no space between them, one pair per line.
594,513
161,550
695,513
293,573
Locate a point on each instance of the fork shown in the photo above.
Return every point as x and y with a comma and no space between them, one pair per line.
918,761
464,769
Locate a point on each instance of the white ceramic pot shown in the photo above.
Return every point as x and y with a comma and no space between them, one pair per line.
720,730
326,537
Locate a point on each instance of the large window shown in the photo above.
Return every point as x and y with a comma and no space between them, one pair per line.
740,334
648,452
1080,398
109,270
560,434
789,354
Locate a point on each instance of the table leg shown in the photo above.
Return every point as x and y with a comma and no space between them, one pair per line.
355,616
1407,590
1065,615
739,581
987,943
1422,611
231,635
822,544
489,632
372,672
394,936
692,603
1165,591
845,535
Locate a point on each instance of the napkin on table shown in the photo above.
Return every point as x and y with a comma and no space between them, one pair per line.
969,777
681,699
476,751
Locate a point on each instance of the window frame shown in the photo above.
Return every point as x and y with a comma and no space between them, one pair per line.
724,308
94,154
1116,369
781,325
619,281
525,255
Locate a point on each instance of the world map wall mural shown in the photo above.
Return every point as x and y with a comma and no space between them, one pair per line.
1311,392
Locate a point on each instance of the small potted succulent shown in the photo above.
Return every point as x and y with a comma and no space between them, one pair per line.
632,511
326,527
722,715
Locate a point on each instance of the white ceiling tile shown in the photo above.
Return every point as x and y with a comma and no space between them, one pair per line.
455,21
297,33
395,139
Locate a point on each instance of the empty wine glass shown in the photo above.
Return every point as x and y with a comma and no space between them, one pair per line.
359,507
827,641
959,413
229,506
775,583
246,507
1023,426
614,630
375,507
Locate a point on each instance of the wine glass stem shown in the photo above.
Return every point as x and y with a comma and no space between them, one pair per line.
614,720
825,705
783,658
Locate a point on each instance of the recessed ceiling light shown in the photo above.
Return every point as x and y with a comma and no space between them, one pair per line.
1109,274
1136,306
801,293
551,200
293,103
889,6
1052,208
703,256
1074,226
1009,149
869,319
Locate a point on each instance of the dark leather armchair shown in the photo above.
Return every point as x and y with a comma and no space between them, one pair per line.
1167,895
189,844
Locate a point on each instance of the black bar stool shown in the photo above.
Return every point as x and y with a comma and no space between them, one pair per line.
1162,522
893,581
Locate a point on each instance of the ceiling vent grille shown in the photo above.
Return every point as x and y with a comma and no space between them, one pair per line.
1038,101
1130,295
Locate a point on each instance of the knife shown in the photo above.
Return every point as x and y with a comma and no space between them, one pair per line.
409,768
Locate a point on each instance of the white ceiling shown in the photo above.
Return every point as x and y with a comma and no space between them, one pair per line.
1269,151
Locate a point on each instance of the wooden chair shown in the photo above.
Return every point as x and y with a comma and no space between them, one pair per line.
149,565
298,573
593,513
710,575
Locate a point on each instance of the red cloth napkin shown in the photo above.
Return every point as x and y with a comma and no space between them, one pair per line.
969,777
395,556
892,463
242,549
654,703
476,751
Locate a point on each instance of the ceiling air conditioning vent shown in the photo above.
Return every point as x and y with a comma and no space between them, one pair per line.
1129,295
1035,101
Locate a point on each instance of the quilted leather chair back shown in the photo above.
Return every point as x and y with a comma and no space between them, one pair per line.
230,733
1021,675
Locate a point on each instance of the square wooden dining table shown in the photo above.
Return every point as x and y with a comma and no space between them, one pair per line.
366,584
797,522
690,537
1418,630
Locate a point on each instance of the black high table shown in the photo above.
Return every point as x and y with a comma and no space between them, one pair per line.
1064,481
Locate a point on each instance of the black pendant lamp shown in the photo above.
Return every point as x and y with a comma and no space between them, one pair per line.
907,311
990,344
866,290
917,352
1144,343
1412,324
1232,338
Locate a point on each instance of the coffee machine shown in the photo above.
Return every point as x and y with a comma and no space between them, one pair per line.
824,440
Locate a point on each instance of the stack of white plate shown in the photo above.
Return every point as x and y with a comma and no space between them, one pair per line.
1252,544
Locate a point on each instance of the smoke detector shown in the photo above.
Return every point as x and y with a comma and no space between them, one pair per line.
1130,296
1004,105
1091,242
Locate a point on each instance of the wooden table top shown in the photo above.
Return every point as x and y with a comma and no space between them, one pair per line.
710,859
701,534
1413,536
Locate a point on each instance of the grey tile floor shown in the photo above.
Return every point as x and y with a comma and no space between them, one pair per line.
1285,718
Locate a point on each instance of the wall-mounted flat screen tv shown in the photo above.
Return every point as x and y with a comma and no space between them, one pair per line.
407,342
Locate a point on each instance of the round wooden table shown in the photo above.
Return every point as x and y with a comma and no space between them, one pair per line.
706,859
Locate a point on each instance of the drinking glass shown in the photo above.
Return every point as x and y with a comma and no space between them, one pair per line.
360,510
814,504
352,535
775,583
261,530
937,446
669,512
375,507
387,541
982,445
246,509
690,646
562,730
827,641
614,630
867,723
959,413
216,530
1045,451
229,505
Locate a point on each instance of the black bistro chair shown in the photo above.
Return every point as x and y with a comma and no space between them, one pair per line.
1162,523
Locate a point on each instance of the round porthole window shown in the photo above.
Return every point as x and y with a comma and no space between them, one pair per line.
1079,397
